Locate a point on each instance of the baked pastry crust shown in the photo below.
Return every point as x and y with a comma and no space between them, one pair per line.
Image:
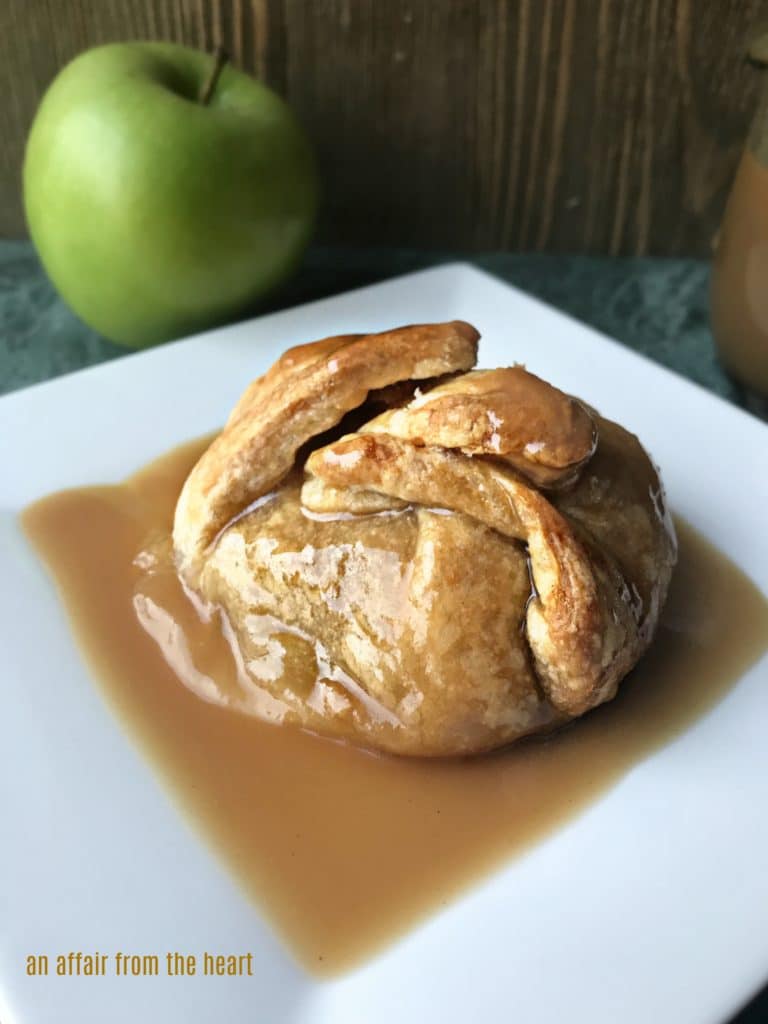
506,413
484,559
306,392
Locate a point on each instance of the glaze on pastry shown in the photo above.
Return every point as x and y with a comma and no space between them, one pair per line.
421,559
307,391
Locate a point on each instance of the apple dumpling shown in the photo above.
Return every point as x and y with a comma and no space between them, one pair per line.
420,557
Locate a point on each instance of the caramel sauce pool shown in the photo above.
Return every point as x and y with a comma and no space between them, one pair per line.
345,850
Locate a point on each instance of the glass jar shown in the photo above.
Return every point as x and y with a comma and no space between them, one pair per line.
739,295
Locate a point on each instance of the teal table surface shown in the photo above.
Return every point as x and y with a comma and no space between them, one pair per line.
657,307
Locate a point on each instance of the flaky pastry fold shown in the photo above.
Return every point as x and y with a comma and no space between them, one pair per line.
306,392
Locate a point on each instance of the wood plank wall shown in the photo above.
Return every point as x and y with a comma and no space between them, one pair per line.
607,126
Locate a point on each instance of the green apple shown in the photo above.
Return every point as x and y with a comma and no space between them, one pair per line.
164,192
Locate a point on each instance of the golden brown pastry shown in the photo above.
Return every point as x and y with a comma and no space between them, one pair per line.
308,390
466,559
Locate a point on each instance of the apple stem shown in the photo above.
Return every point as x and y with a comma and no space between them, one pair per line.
220,58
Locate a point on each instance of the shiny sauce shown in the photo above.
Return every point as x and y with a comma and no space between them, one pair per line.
344,849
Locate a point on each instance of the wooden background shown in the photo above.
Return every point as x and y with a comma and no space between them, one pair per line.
608,126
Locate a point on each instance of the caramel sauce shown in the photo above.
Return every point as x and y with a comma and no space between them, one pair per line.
740,277
344,849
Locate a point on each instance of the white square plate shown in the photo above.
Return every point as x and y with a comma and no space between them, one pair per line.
652,905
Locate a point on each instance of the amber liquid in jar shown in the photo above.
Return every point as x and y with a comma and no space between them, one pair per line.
740,272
